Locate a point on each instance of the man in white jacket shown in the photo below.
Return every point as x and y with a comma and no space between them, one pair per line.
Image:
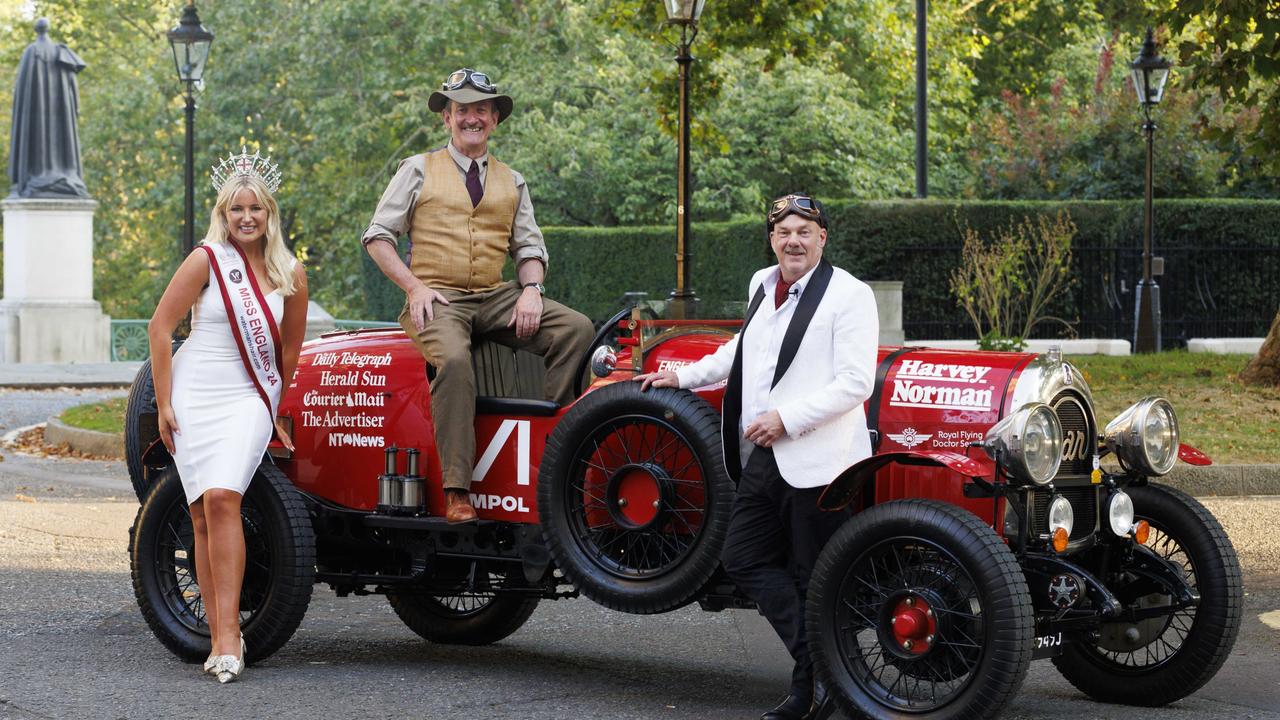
798,373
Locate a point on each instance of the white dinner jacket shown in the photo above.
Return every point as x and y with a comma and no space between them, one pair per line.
820,396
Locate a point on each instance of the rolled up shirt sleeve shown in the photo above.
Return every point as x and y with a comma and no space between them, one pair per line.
394,213
526,236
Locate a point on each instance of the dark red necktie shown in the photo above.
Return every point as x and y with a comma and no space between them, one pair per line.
474,188
780,293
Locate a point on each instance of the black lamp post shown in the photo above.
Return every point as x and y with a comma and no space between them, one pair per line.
1150,71
685,14
190,41
922,104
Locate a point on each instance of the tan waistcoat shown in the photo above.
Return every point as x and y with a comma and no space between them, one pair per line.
456,246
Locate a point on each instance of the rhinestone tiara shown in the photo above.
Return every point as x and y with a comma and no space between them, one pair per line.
245,164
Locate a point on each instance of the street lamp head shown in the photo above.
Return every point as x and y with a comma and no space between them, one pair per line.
683,12
190,41
1150,71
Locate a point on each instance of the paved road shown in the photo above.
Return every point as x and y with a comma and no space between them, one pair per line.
73,645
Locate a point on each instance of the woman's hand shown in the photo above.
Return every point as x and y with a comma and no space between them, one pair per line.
168,426
283,434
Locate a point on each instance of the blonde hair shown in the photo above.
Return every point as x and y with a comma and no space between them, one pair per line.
279,259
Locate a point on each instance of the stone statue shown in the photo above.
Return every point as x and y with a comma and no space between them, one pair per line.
44,149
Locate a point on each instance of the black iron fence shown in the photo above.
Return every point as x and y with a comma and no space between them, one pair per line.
1207,291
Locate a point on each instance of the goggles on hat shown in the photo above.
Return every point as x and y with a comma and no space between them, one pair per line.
802,205
467,76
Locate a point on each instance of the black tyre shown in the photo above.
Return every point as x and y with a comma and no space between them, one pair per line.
480,616
1157,661
916,608
633,496
140,428
279,566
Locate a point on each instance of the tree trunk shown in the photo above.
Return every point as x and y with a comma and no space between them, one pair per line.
1264,369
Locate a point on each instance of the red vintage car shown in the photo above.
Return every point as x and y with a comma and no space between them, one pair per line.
987,532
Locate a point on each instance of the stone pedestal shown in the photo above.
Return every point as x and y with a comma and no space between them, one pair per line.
319,321
48,314
889,308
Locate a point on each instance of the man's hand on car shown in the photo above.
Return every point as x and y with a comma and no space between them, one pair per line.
420,305
662,378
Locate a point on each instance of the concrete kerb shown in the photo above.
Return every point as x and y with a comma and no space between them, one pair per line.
90,442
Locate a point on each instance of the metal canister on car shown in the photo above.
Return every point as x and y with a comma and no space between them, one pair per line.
389,483
411,484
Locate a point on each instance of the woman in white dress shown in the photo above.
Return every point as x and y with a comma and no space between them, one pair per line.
214,417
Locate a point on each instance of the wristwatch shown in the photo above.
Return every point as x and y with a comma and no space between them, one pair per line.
542,290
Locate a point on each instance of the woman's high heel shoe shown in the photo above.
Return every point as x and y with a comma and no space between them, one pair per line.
212,660
228,668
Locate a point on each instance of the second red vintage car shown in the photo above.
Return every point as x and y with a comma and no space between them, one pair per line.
987,531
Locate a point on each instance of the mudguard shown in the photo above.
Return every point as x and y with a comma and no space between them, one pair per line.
848,485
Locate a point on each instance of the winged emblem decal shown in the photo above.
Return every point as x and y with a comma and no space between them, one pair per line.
909,438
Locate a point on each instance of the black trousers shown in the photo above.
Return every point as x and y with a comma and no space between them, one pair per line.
776,533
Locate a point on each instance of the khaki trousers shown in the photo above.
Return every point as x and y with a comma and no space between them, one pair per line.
561,340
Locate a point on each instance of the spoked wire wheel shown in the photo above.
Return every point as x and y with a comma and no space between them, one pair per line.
279,566
1156,660
476,615
175,568
633,496
911,624
636,497
918,608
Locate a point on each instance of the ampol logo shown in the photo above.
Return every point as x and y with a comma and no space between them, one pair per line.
909,438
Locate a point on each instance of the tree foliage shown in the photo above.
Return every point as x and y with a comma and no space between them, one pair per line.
813,95
1233,48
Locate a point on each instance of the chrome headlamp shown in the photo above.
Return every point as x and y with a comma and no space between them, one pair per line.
1027,443
603,361
1120,513
1145,437
1061,515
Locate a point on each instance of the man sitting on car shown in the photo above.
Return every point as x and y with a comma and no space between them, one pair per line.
798,373
465,212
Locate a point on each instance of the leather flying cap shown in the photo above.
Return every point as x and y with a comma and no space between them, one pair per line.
468,86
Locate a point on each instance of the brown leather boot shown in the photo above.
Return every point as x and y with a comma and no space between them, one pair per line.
457,507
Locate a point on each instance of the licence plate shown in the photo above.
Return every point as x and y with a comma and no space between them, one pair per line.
1047,646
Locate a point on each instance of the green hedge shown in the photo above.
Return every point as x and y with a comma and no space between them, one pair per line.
1222,254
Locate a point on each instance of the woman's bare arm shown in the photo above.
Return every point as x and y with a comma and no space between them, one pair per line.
178,298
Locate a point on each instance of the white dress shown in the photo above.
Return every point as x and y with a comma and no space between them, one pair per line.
224,426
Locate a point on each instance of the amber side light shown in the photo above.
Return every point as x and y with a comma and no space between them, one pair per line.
1142,531
1060,539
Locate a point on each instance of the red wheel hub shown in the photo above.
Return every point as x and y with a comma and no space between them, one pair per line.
914,625
637,496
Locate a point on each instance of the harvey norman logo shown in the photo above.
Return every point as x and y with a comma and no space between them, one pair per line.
942,386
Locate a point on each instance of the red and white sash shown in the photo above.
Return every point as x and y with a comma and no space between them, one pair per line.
252,325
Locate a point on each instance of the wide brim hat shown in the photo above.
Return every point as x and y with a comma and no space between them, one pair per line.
439,99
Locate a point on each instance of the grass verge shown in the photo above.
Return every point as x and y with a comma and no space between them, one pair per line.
106,416
1231,422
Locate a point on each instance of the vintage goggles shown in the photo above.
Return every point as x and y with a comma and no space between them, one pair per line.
802,205
467,76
